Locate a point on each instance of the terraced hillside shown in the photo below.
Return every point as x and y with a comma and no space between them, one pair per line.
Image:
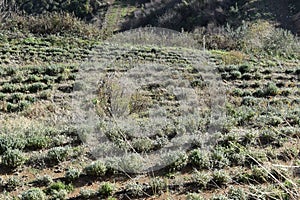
255,154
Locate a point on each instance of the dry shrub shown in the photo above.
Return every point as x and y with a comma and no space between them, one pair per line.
233,57
259,37
49,23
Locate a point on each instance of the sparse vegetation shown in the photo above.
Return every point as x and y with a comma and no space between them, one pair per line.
45,46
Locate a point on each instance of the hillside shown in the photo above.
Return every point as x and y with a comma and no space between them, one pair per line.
89,110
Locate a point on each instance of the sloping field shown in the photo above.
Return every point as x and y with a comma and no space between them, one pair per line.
253,155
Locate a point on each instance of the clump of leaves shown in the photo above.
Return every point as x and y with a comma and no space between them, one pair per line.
201,179
158,185
97,168
194,196
72,174
220,178
236,194
12,183
106,189
271,89
33,194
13,158
57,154
59,190
199,159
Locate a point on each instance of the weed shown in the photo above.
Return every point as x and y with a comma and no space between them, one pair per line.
44,180
194,196
57,154
175,160
236,194
37,142
201,179
271,89
199,159
135,189
219,197
13,158
86,194
158,185
220,178
97,168
59,190
13,183
33,194
219,158
72,174
106,189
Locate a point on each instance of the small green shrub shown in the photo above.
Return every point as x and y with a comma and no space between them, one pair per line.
135,189
12,183
72,174
86,194
106,189
13,158
33,194
201,179
236,194
245,68
44,180
59,190
176,160
220,178
199,159
235,75
219,158
97,168
219,197
142,144
158,185
271,89
57,154
36,142
35,87
11,142
194,196
259,174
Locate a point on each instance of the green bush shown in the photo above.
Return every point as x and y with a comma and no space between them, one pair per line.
37,142
12,183
13,158
199,159
256,37
135,189
194,196
57,154
72,174
44,180
97,168
86,194
271,89
59,190
201,179
33,194
11,142
220,178
106,189
236,194
219,158
175,160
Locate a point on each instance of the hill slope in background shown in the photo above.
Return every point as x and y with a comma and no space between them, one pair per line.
174,14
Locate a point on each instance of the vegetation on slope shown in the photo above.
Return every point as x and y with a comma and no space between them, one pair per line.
255,155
